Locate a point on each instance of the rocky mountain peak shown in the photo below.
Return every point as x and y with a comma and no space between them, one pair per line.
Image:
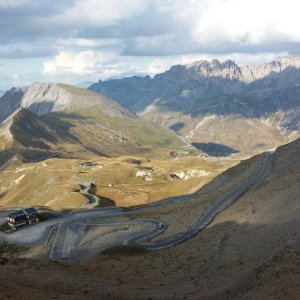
287,61
248,73
41,98
198,80
227,69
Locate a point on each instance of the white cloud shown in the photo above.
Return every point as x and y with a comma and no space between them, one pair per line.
222,26
104,38
82,63
248,22
157,27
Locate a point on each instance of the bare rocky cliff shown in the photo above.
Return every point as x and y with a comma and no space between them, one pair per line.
248,73
251,73
42,98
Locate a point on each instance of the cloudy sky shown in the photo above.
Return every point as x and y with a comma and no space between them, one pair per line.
86,40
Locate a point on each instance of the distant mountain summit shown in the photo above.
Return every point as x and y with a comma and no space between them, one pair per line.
249,73
213,102
195,80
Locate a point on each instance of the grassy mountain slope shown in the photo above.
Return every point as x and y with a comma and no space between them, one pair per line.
78,120
80,98
250,251
243,135
58,180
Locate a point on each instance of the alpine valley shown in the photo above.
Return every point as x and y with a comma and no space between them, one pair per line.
182,179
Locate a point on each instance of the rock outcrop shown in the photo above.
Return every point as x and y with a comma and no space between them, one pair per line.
144,174
185,175
251,73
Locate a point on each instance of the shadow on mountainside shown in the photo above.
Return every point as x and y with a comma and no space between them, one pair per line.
177,126
33,131
216,150
10,102
250,251
205,267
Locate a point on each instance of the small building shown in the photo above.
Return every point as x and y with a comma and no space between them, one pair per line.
16,219
24,217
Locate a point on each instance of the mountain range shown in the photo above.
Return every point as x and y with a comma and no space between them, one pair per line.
219,107
49,118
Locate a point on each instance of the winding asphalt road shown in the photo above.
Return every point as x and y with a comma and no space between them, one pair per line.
207,217
63,241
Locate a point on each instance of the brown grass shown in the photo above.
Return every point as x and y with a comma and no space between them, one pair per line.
58,180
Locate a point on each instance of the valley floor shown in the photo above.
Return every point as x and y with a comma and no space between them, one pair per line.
124,181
